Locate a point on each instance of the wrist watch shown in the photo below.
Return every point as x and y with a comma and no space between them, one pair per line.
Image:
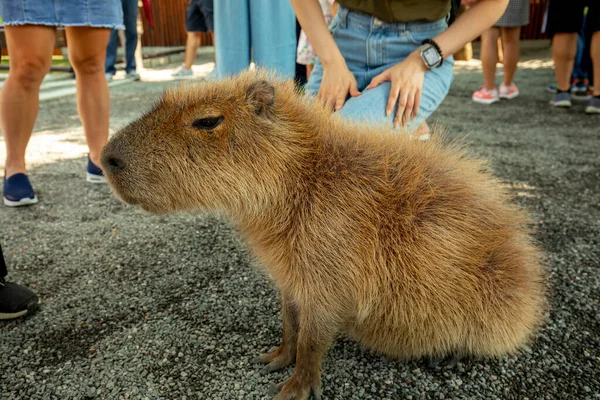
431,54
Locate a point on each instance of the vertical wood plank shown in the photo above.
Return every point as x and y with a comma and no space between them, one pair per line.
169,25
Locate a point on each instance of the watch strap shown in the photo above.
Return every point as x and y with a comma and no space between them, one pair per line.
436,47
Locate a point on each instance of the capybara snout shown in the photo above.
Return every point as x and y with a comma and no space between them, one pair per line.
413,249
112,162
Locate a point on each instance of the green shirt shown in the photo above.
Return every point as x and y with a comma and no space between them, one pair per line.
400,10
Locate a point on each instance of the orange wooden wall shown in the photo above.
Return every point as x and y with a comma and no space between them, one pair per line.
169,24
536,18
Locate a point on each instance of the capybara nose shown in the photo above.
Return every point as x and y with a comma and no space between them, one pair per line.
112,163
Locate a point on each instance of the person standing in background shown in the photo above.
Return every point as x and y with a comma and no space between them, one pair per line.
198,19
565,19
582,81
264,28
508,28
305,54
30,29
130,16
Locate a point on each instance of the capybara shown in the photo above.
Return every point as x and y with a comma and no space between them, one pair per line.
413,249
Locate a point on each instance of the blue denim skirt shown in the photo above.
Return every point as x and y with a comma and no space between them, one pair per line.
94,13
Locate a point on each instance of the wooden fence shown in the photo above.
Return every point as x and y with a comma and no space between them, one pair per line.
169,24
536,20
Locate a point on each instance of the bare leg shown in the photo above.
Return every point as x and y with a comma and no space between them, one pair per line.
315,336
564,49
191,48
30,48
510,38
489,56
87,50
309,69
285,354
423,132
500,47
212,40
595,52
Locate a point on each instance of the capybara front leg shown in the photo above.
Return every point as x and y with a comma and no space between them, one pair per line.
314,338
448,362
283,355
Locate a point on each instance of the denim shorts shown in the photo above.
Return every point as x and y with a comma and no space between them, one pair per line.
94,13
369,47
199,16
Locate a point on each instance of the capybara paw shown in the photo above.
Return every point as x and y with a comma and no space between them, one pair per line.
448,362
265,358
298,389
276,359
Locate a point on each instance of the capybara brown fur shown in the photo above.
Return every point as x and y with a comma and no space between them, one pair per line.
411,248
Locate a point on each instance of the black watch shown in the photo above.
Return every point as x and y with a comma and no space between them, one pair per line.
431,54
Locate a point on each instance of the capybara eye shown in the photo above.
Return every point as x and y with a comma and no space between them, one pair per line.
207,123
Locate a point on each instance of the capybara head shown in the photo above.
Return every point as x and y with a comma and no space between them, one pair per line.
208,146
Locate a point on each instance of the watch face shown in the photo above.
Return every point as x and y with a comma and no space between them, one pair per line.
431,56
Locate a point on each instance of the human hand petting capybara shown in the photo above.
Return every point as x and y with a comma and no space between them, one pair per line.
413,249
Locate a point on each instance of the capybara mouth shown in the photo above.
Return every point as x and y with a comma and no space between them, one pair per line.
121,194
127,199
147,207
140,202
128,192
131,201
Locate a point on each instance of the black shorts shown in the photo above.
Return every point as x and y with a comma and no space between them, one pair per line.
566,16
3,271
199,16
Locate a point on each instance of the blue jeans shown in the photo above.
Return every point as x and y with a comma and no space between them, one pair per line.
370,46
130,14
3,271
268,27
582,58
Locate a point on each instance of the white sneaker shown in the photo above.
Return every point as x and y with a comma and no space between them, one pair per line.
485,96
182,72
562,99
593,106
508,92
422,133
132,75
212,75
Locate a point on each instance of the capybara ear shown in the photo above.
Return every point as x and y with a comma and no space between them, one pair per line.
261,95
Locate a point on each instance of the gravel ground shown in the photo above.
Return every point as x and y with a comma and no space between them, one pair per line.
170,307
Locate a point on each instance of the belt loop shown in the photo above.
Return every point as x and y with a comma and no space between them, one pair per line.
343,15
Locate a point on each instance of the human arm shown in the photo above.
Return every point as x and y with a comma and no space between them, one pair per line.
337,79
407,76
468,3
470,24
